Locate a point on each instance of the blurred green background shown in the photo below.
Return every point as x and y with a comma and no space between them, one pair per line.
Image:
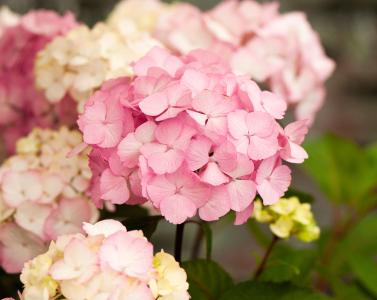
348,29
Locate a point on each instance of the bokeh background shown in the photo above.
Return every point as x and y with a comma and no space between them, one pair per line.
348,30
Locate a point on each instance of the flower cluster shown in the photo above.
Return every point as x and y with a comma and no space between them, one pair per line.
108,262
22,106
78,63
288,218
42,195
188,135
258,41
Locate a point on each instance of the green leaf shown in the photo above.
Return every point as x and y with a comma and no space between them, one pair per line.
348,291
148,224
341,168
207,280
358,250
250,290
365,269
289,264
302,196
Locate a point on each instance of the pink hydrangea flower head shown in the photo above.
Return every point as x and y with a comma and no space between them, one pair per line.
106,262
188,136
23,107
43,193
260,42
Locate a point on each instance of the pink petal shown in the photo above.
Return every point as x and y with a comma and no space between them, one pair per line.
32,217
241,194
274,104
198,117
94,133
294,153
296,131
196,81
244,166
177,209
128,150
158,57
262,148
160,188
95,112
169,131
260,124
217,206
68,217
237,123
213,175
197,153
112,135
226,156
128,254
145,132
171,112
273,189
17,246
166,162
114,188
265,168
104,227
154,105
243,216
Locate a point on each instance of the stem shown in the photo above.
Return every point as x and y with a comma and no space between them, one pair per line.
263,263
197,243
179,242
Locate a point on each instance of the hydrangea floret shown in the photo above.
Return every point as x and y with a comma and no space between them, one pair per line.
189,136
287,218
106,262
22,107
42,195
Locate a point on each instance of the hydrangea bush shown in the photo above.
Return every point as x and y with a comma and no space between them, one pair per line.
173,114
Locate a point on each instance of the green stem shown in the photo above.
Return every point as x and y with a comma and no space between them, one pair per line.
266,256
179,242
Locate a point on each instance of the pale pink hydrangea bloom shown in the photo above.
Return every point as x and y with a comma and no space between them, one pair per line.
106,262
189,136
287,54
22,106
78,63
42,195
281,50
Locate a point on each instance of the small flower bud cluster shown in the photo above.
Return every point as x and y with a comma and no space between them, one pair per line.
288,217
42,195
